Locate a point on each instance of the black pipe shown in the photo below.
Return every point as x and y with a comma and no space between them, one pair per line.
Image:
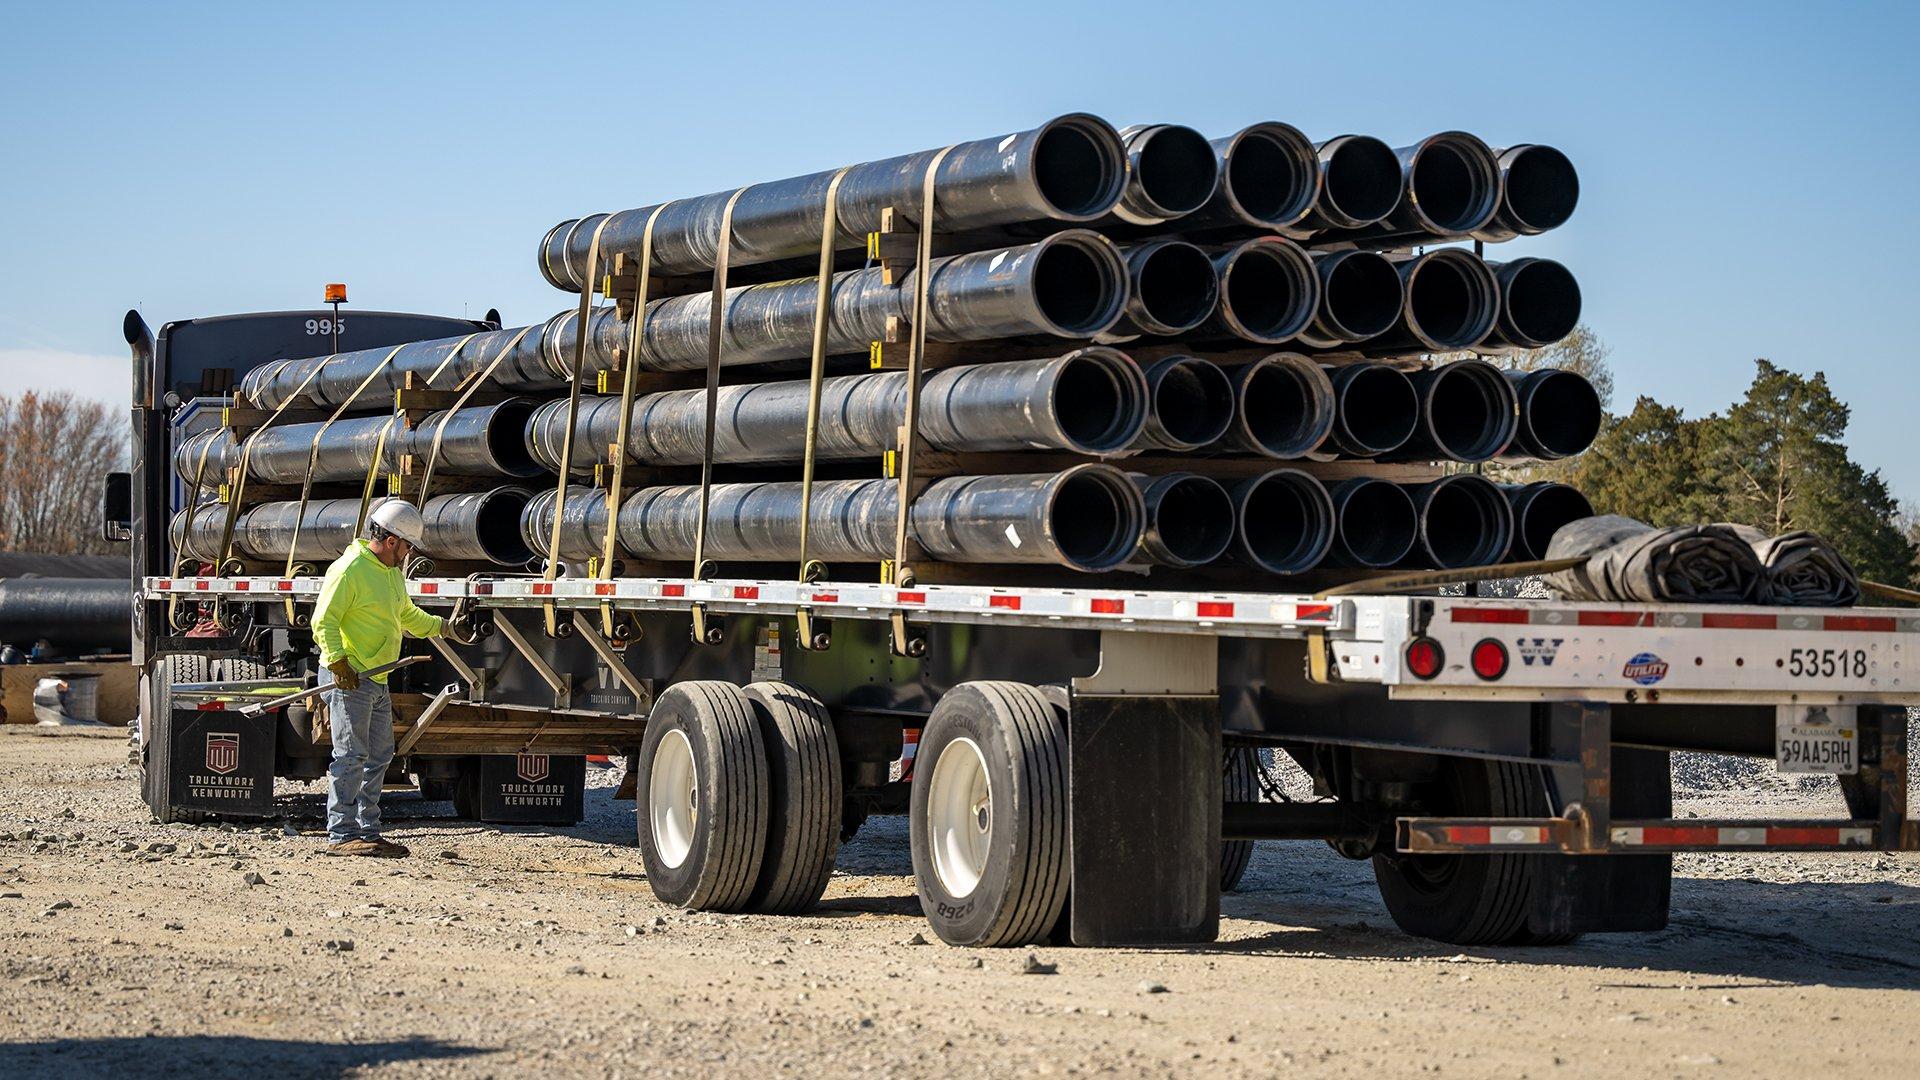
1283,406
1539,304
1539,509
1452,301
1172,171
1189,519
1359,183
1559,415
1464,521
1467,413
72,613
1269,180
1190,404
1360,298
1450,186
1538,190
1375,523
1268,294
1174,288
1283,521
1375,408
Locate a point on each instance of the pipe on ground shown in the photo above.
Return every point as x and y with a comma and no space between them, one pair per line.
1189,519
1283,406
1090,401
1468,412
468,526
1072,284
1539,304
1464,521
1539,188
1560,415
1089,517
1190,404
1072,168
1283,522
480,440
1375,523
1375,408
1539,510
71,613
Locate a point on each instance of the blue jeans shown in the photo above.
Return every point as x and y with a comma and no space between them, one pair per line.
362,724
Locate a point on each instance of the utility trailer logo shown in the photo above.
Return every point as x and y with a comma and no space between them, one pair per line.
1645,668
223,751
532,767
1541,649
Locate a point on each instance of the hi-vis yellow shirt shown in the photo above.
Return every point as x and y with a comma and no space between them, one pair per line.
363,609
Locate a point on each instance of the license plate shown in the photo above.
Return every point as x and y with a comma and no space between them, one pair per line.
1816,739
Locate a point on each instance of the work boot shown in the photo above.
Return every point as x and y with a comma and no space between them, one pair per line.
390,850
355,846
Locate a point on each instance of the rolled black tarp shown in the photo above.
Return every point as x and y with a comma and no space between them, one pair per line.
1802,569
1633,561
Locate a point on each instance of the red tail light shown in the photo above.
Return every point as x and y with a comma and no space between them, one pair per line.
1425,658
1489,659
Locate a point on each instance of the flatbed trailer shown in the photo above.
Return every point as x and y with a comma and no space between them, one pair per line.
1088,758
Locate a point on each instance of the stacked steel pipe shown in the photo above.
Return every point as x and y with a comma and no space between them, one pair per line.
1156,349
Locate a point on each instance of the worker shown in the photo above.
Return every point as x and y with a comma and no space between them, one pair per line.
358,622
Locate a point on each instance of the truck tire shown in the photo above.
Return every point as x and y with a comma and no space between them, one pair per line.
988,817
1240,787
803,809
436,790
466,789
1470,899
157,760
702,797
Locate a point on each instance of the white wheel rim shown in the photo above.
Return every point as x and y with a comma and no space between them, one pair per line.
672,809
960,817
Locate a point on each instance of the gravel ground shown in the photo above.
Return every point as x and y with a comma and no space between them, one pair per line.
153,950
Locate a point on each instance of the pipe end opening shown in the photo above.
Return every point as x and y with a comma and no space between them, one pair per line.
1192,517
1542,303
1542,189
1540,511
1562,413
1361,181
1079,167
1177,168
1465,521
1361,296
1190,402
1454,183
1269,291
1377,523
1096,517
1272,174
1100,400
1285,521
1079,283
1452,300
1176,287
1471,410
1377,409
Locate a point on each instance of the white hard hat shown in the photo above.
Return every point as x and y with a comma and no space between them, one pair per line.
399,517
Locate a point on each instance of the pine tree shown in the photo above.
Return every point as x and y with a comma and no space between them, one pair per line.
1646,465
1777,461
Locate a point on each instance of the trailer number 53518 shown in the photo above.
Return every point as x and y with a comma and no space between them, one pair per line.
1827,663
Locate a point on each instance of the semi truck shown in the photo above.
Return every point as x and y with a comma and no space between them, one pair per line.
1089,762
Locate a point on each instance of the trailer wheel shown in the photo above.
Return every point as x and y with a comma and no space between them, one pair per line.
1471,899
156,761
803,810
702,797
436,790
1241,787
989,815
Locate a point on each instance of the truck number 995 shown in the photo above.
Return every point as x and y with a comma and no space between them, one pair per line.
326,326
1826,663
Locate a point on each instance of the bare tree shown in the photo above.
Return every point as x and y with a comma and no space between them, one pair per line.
55,452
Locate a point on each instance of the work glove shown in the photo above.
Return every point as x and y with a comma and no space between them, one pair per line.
344,676
460,628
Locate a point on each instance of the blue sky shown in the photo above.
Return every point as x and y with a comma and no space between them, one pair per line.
1749,171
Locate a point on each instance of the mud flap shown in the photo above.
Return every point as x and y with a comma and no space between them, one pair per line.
1145,788
1588,894
525,789
221,762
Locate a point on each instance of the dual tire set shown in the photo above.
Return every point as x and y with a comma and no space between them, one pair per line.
740,802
